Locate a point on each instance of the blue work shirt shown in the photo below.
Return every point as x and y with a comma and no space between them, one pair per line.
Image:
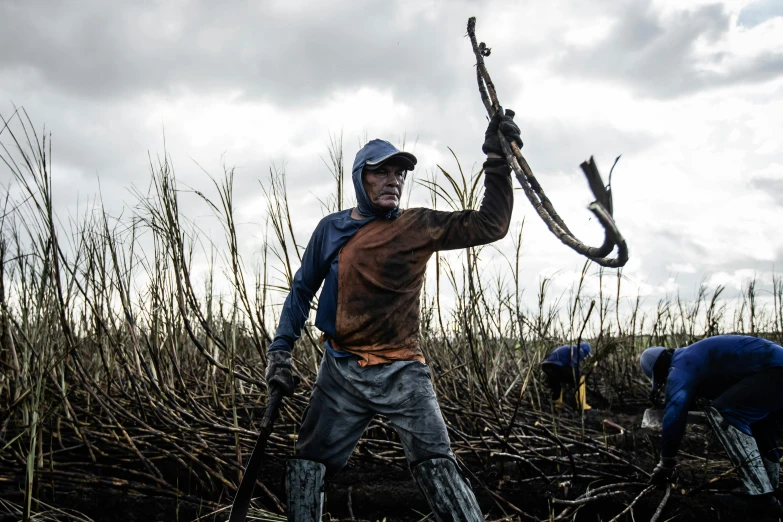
708,368
319,265
568,356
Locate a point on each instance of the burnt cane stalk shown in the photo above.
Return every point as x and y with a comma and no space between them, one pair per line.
601,207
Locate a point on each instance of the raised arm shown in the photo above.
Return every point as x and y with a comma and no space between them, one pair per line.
451,230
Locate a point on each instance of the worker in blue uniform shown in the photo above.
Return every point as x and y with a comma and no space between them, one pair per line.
742,376
562,370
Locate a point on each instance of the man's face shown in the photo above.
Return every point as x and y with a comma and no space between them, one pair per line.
384,185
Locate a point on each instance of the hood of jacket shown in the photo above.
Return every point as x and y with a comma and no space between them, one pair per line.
374,154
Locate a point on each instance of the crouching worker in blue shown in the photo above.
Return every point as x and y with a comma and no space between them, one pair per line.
743,378
562,370
371,260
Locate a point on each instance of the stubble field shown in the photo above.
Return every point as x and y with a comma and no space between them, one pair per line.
130,387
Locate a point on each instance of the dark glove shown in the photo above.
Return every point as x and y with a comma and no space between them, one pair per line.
663,472
504,121
279,372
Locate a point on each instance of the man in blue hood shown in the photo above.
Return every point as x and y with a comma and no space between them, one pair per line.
743,377
371,260
562,369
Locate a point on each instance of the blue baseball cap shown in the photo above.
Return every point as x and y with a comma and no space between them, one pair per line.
378,152
648,359
586,350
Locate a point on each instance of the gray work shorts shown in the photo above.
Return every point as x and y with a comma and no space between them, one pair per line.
345,398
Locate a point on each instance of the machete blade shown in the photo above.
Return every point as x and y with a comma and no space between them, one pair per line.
245,491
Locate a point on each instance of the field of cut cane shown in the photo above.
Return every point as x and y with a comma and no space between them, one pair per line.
131,390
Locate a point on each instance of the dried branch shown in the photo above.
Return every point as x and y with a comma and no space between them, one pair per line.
662,504
602,207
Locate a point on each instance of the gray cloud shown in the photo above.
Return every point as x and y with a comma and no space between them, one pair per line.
657,56
562,147
759,12
86,73
114,50
771,187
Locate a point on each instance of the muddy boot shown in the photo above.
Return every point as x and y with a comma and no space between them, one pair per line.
744,454
773,472
446,491
304,483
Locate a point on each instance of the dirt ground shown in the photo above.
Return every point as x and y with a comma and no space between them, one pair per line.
374,493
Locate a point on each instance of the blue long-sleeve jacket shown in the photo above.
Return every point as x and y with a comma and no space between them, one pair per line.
568,356
708,368
319,265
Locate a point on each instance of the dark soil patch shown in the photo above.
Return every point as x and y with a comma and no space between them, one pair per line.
371,492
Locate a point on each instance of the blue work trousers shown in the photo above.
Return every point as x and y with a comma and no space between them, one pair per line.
754,406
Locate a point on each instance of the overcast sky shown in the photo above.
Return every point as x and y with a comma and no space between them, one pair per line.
690,96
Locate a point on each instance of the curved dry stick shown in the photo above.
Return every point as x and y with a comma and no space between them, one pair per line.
630,506
662,505
601,207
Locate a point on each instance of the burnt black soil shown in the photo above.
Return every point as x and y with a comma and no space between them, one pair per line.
374,492
371,491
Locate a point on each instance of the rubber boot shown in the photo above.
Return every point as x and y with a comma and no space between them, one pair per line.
446,491
581,395
773,471
304,483
559,402
744,454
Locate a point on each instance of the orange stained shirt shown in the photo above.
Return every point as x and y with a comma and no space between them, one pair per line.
381,269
